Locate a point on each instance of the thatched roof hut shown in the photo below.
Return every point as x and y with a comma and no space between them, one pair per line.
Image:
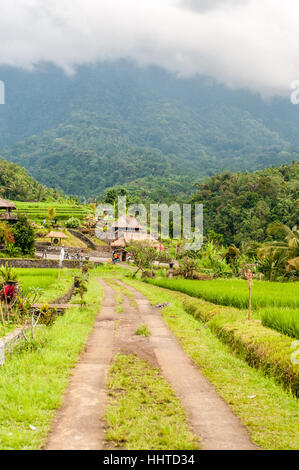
8,205
56,236
127,223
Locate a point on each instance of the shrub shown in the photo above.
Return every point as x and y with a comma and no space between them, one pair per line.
73,222
24,235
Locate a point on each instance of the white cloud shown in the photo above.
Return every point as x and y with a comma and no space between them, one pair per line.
207,5
243,43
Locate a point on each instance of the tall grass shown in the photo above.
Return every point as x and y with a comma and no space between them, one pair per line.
284,320
234,292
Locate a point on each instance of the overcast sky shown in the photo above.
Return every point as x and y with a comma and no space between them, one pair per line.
242,43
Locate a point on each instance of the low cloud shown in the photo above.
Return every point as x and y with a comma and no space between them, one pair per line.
242,43
208,5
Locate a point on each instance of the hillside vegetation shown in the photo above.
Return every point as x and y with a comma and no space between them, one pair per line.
16,184
118,124
240,206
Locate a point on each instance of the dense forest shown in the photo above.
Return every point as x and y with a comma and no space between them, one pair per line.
17,185
240,206
115,123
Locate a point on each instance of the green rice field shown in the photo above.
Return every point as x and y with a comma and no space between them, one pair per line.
38,211
276,304
234,292
46,279
284,320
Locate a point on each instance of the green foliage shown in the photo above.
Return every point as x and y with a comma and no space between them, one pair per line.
39,376
48,315
24,235
139,126
240,206
6,235
270,417
51,213
16,184
73,222
7,273
80,288
212,260
143,254
188,267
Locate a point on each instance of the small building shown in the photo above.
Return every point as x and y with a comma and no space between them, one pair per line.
56,237
8,206
127,229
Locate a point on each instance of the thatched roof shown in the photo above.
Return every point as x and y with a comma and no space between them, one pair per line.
126,238
54,234
126,221
6,204
119,243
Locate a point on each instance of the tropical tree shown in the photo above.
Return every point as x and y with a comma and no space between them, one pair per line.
288,239
277,257
51,214
24,235
144,256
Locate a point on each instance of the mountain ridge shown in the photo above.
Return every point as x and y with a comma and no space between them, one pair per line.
115,124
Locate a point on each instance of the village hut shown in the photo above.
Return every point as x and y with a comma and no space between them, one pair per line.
8,206
56,237
127,229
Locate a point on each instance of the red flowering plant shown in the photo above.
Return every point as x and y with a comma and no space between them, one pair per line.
8,292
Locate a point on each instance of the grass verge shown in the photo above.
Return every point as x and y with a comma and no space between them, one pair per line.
32,382
271,417
144,413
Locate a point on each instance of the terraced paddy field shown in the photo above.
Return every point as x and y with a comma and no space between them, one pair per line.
234,292
275,304
38,211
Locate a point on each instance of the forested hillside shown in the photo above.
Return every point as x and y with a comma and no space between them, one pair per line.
116,124
17,185
240,206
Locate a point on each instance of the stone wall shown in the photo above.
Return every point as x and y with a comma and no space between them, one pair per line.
83,239
41,263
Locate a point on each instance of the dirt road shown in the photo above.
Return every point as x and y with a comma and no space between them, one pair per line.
80,424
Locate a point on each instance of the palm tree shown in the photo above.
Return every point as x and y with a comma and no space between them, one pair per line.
275,256
288,238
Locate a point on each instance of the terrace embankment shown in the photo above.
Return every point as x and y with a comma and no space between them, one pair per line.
41,263
261,347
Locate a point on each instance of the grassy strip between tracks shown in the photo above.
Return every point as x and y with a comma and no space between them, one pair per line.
144,413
